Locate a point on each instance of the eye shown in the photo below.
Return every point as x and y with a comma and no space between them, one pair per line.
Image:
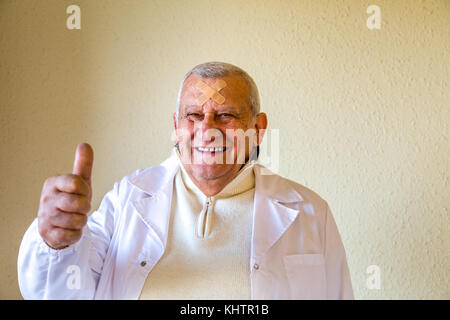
194,115
226,115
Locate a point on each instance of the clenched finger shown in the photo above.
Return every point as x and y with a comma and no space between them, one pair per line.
72,184
70,202
69,220
61,236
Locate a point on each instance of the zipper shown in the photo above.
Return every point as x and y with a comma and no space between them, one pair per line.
204,220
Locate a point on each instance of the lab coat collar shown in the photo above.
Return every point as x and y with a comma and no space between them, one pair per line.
274,186
154,179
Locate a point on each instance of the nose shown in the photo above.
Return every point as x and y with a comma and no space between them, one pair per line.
206,130
208,121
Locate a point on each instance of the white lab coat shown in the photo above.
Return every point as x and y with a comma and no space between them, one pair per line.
296,249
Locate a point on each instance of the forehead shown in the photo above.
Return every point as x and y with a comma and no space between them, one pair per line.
236,91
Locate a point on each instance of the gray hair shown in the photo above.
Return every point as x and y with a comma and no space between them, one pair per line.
221,69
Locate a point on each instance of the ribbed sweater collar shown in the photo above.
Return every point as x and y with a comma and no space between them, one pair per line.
244,181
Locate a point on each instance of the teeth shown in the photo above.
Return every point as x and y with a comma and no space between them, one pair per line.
210,149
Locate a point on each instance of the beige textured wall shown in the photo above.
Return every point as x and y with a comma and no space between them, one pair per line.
363,114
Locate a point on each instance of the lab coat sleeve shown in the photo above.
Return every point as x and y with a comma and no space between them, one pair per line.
72,272
339,285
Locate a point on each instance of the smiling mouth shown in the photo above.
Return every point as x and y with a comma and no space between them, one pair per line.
210,150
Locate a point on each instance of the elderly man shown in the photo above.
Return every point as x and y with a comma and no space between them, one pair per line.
210,222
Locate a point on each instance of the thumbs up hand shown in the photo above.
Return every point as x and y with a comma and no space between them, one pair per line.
66,201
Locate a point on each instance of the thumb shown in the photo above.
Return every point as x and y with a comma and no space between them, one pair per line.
84,160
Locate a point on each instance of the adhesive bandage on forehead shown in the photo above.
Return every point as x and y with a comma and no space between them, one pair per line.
211,92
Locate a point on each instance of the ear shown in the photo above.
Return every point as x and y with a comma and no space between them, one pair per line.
175,120
260,126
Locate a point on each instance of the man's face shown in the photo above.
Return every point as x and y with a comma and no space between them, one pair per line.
216,125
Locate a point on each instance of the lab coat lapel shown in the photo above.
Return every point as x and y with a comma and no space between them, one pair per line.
155,203
275,209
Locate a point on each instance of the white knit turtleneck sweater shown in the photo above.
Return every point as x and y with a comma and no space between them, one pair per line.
208,245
